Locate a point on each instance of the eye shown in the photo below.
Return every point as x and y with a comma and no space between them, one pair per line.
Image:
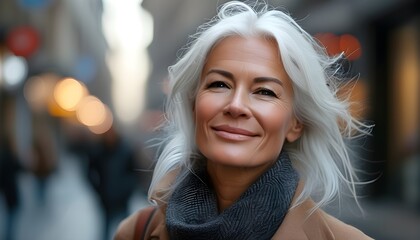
265,92
217,84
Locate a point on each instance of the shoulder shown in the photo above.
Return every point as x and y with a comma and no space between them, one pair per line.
342,230
127,228
146,223
302,223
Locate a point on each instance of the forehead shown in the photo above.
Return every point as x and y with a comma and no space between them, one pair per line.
255,56
253,49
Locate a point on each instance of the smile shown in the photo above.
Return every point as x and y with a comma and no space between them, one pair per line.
232,133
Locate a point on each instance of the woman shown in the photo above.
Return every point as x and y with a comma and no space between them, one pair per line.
254,129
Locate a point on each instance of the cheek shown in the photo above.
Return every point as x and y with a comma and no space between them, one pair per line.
202,109
208,105
202,118
275,120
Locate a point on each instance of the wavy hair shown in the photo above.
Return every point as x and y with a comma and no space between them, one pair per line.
320,155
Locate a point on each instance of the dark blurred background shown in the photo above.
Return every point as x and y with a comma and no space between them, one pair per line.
82,84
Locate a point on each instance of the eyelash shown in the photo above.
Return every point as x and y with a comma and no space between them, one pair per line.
217,84
260,91
266,92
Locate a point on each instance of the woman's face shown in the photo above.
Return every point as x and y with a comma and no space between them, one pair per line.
243,108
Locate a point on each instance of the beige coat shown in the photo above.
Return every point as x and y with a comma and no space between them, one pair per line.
298,224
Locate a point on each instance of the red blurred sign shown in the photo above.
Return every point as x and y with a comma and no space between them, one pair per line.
23,41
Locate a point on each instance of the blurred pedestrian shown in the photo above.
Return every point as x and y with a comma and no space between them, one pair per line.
9,170
10,167
112,173
44,155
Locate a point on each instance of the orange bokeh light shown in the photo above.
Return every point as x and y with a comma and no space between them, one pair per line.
91,111
350,45
68,93
337,44
105,125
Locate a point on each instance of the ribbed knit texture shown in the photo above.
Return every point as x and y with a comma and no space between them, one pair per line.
192,211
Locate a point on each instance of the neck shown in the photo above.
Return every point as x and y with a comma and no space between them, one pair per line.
231,182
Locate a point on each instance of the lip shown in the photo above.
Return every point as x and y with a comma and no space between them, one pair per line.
233,133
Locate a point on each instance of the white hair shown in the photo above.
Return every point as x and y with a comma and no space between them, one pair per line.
320,155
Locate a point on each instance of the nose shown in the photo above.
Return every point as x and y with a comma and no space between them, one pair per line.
238,105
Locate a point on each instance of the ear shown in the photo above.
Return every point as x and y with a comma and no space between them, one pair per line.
295,131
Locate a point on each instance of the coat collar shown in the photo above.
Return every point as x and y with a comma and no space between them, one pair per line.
301,222
304,222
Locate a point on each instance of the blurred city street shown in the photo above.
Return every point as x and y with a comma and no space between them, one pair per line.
82,90
383,220
70,210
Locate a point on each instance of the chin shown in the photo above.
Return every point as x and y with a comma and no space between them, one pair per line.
233,160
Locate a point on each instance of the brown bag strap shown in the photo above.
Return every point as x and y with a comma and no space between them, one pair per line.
143,221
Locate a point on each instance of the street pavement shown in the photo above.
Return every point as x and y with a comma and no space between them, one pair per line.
68,209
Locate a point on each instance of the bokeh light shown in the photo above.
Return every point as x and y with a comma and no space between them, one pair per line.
105,125
68,93
347,44
128,30
23,41
15,70
331,42
38,91
91,111
351,47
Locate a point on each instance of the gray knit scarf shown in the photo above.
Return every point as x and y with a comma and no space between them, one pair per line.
192,211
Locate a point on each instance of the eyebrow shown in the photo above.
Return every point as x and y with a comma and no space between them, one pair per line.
256,80
268,79
221,72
